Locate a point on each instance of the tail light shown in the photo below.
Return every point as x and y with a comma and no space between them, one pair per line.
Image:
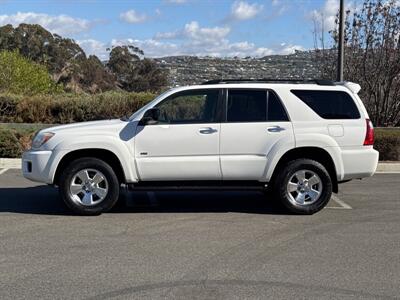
369,136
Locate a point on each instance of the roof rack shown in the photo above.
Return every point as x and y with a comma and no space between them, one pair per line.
267,80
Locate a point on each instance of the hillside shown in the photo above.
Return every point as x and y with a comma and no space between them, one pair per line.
185,70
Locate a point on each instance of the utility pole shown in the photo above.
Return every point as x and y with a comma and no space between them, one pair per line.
339,76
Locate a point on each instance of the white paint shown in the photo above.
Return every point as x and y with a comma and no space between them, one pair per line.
3,171
245,147
178,152
343,205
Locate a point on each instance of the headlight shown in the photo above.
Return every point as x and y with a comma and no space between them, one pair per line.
40,139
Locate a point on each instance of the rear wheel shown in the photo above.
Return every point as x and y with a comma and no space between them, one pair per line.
89,186
303,186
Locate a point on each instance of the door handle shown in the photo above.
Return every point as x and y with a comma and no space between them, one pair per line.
275,129
207,130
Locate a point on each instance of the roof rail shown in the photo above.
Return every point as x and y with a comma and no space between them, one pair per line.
267,80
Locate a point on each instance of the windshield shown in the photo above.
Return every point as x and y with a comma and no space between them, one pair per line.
147,106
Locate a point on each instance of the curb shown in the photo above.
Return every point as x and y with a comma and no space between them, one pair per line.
383,167
10,163
388,167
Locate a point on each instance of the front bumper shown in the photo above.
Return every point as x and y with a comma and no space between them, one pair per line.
36,166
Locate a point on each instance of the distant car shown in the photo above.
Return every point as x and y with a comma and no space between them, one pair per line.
297,139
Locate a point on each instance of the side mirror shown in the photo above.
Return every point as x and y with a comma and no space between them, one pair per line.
150,117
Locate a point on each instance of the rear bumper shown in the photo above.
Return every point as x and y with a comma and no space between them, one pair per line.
36,166
359,163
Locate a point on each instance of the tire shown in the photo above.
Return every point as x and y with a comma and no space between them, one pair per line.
89,186
306,196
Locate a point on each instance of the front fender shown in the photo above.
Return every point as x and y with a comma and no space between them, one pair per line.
122,150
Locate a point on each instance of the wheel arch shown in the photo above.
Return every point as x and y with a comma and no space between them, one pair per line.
315,153
103,154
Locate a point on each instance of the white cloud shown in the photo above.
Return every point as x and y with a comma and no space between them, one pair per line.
157,48
94,47
151,47
326,16
61,24
193,31
242,10
286,49
131,16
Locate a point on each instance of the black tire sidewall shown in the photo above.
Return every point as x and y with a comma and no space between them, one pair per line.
289,170
89,163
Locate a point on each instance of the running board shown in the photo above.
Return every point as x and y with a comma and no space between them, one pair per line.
197,185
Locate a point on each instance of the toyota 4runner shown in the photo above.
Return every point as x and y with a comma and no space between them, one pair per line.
297,139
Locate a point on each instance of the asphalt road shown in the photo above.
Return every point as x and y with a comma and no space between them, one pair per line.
200,246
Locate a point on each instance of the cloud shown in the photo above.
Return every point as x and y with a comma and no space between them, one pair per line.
157,48
61,24
193,31
131,16
151,47
242,10
326,16
94,47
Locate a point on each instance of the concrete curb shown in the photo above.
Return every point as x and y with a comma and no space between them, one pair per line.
388,167
10,163
383,167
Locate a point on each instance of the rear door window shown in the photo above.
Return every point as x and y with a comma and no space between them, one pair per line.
329,104
247,106
276,111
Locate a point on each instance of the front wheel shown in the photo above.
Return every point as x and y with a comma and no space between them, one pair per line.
89,186
304,186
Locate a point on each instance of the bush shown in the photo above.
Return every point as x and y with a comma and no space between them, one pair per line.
387,142
21,75
9,144
68,108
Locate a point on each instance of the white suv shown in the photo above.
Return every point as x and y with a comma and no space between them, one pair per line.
297,139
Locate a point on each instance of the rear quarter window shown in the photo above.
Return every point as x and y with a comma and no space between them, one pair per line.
329,104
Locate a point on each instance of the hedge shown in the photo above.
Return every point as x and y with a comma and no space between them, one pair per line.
68,108
387,142
14,138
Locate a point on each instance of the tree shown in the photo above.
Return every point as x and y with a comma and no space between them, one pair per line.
134,73
20,75
64,59
372,57
69,66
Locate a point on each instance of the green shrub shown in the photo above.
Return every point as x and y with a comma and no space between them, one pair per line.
68,108
21,75
387,142
9,144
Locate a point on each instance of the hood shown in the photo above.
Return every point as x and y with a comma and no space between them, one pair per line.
98,126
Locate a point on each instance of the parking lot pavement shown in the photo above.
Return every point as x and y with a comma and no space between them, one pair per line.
200,245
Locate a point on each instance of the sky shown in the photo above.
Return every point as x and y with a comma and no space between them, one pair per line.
218,28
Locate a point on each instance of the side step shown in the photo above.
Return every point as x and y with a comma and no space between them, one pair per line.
197,185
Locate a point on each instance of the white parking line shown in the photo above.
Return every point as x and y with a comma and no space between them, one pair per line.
343,205
3,171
